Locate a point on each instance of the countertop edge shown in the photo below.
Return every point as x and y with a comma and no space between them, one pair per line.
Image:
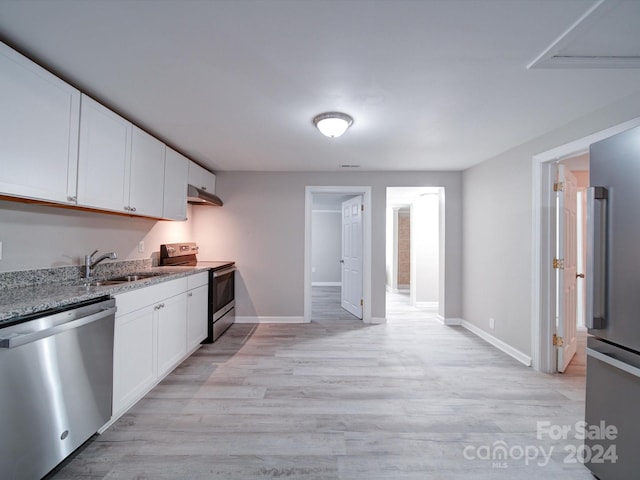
41,298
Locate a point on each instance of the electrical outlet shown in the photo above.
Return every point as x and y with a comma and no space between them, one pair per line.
492,323
141,246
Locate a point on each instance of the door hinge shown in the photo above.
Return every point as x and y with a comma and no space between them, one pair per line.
558,187
361,302
558,263
558,341
362,207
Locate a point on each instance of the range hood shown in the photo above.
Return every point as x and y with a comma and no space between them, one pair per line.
197,196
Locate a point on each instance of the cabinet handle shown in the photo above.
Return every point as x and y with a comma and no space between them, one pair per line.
127,208
204,188
73,199
190,294
133,209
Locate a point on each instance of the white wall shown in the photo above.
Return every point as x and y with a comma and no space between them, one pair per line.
497,225
326,246
425,244
35,236
261,227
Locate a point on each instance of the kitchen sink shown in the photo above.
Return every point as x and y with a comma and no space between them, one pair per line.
123,279
131,278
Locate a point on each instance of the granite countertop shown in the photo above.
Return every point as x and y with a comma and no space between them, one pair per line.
21,299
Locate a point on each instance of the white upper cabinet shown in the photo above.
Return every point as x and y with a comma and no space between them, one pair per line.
121,167
105,158
146,190
176,170
201,178
39,116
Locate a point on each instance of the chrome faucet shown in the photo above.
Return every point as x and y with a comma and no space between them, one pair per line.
90,263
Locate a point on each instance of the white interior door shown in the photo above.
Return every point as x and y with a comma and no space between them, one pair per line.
566,251
352,255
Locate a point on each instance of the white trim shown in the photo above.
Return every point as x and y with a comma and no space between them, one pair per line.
366,240
262,319
396,290
542,324
326,284
377,321
499,344
428,305
449,321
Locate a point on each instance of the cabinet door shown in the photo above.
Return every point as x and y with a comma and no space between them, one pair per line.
105,158
209,181
176,170
197,315
38,131
195,174
134,367
146,191
172,332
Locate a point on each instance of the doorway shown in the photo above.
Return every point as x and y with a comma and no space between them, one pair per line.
543,295
572,180
413,253
323,269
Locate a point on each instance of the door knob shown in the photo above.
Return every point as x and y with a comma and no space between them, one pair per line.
579,275
341,261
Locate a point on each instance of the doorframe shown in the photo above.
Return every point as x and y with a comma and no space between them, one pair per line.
366,245
543,242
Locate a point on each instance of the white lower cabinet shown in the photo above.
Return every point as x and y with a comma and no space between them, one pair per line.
134,370
197,313
150,339
172,332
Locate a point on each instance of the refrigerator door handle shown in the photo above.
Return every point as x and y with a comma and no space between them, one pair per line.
614,362
596,257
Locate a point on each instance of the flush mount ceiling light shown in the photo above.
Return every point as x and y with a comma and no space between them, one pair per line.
332,124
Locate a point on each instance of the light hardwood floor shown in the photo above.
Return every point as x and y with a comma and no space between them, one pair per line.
337,399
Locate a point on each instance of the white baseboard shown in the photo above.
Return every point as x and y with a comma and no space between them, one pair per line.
499,344
326,284
397,290
376,320
431,306
449,321
270,320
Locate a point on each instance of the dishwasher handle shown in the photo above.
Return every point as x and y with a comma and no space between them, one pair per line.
17,339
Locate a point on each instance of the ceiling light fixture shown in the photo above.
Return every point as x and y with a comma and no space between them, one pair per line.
332,124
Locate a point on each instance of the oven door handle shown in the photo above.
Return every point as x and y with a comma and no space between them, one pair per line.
226,271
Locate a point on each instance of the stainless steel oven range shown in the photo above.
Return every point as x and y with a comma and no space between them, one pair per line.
221,284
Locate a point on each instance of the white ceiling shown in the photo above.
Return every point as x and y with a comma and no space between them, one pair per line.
431,84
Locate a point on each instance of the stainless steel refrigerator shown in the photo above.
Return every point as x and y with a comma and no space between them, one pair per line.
613,308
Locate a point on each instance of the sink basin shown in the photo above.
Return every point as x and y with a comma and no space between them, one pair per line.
124,279
131,278
101,283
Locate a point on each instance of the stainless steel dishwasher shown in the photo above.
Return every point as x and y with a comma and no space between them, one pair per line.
56,383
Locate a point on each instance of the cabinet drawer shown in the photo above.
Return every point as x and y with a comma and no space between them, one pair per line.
197,280
145,296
